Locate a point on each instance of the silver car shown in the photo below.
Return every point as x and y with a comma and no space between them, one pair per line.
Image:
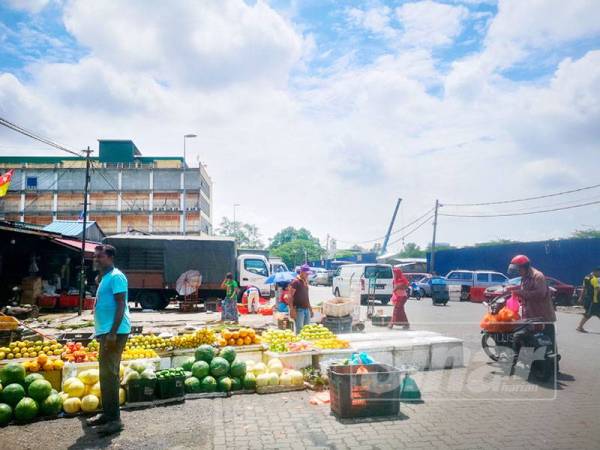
319,276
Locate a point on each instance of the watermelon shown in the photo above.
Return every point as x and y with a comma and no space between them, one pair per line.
187,364
52,405
39,390
250,382
26,409
205,353
5,414
32,377
208,384
12,373
225,384
192,385
238,369
200,369
12,394
219,367
228,353
236,384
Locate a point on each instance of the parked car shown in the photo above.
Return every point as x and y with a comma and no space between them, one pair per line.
414,276
562,293
421,287
318,276
475,278
357,276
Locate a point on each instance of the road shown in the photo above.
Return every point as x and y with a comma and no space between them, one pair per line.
474,407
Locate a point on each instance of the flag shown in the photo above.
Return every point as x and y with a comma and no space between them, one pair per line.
5,182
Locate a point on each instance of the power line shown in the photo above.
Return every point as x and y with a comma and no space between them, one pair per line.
32,135
412,231
404,227
580,205
526,199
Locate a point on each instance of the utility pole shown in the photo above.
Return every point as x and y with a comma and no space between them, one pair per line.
389,231
435,221
82,277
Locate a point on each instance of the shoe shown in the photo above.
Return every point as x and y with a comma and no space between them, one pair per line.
581,330
98,419
112,427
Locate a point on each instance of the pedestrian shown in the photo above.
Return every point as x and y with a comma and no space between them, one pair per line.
399,299
535,296
590,297
299,304
229,311
283,298
112,323
253,299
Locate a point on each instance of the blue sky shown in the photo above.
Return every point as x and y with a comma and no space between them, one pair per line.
353,100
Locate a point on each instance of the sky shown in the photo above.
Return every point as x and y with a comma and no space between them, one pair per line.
321,113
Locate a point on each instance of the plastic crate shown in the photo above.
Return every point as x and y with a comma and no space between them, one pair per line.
68,301
140,390
170,388
8,323
371,394
338,325
338,307
48,301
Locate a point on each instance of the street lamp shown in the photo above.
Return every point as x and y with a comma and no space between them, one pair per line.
183,226
235,205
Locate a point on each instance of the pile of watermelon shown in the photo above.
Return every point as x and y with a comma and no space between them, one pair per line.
209,371
23,398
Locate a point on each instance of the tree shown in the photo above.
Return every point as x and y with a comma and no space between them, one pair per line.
290,234
590,233
412,250
344,253
298,251
495,242
246,235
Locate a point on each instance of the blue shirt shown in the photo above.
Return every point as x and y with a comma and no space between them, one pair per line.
112,283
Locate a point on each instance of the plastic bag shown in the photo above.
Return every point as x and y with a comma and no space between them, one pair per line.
513,303
361,358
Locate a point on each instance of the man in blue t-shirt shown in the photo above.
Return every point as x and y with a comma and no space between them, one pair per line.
111,316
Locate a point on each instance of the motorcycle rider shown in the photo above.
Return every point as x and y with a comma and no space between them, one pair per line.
535,296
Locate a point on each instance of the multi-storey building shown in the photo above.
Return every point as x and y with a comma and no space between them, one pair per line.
127,191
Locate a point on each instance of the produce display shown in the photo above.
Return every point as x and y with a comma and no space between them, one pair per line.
273,374
243,336
30,349
134,353
148,342
82,393
44,363
76,352
24,397
167,373
331,343
502,322
315,332
300,346
199,337
278,339
211,371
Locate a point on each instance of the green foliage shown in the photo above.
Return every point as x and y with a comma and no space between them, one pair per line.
290,234
298,251
246,235
344,253
412,250
495,242
590,233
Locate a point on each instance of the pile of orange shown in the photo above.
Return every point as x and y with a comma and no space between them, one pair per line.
43,362
243,336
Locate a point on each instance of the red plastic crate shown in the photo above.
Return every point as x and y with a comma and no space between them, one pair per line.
88,303
48,301
68,301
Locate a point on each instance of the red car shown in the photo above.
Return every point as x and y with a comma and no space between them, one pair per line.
562,293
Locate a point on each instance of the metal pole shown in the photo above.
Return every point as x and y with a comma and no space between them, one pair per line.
435,221
183,229
83,234
389,231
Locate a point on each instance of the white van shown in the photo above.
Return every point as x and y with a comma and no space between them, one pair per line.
358,275
253,270
476,278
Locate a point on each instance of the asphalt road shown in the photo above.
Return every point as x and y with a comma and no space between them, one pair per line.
476,407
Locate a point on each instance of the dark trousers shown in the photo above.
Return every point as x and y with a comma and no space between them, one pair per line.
109,361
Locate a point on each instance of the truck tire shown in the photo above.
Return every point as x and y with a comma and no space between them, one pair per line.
152,300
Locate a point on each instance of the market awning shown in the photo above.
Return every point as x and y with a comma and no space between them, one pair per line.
75,244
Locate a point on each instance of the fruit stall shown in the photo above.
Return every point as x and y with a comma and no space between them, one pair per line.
46,378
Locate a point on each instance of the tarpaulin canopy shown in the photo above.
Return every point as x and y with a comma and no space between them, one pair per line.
76,245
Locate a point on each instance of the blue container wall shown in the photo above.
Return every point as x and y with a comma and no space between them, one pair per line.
568,260
364,258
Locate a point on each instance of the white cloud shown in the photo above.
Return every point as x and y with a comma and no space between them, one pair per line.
427,23
375,19
331,152
32,6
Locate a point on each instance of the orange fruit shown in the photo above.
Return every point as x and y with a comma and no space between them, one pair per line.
58,364
226,334
247,340
239,341
48,366
42,359
243,333
251,332
231,341
34,367
222,342
256,339
235,335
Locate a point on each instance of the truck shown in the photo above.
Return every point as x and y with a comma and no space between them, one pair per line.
153,263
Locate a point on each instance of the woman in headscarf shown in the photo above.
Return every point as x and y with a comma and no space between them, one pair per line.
229,311
399,298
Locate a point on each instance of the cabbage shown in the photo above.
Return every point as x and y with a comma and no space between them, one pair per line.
148,374
138,366
262,380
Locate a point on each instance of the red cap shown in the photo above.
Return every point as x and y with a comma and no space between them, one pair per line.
520,260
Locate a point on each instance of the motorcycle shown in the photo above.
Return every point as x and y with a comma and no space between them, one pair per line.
524,335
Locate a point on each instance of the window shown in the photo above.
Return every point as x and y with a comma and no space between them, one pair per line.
256,266
31,183
499,278
381,272
482,277
454,276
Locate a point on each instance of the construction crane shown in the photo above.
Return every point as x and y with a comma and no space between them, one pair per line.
389,231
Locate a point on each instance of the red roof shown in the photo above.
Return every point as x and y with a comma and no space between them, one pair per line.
76,245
